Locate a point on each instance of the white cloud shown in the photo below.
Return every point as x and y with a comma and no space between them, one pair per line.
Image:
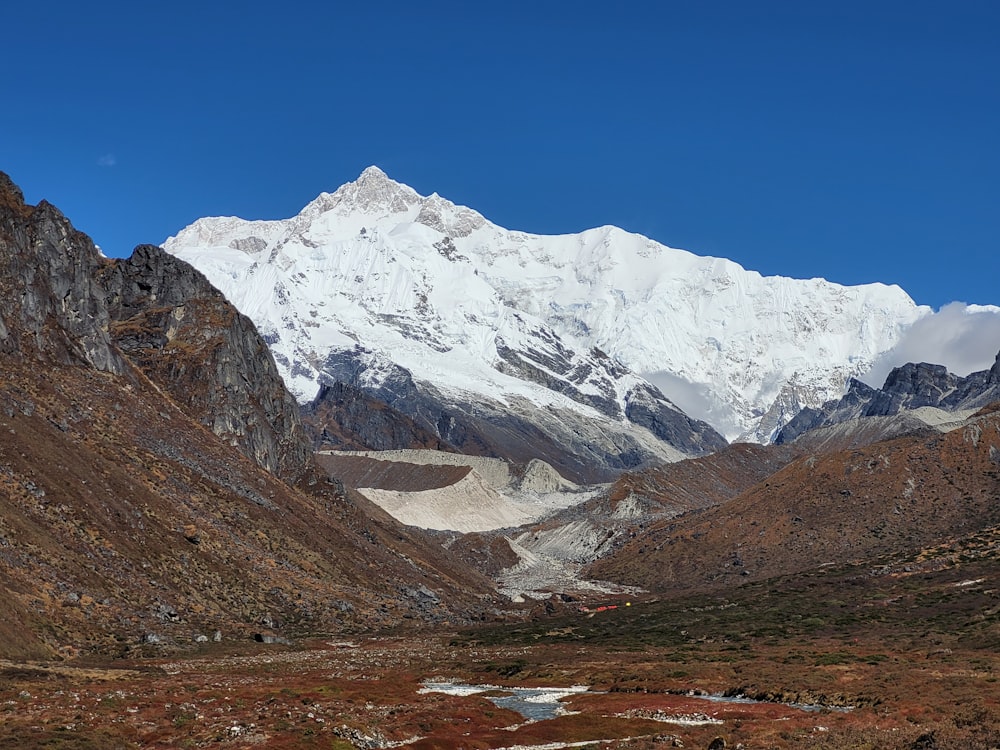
963,338
107,160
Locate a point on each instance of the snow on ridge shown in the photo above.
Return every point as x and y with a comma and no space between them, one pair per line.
433,286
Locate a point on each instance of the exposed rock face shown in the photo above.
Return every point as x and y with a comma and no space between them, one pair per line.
594,379
342,416
52,305
863,431
191,342
976,390
647,407
64,303
906,388
912,386
835,411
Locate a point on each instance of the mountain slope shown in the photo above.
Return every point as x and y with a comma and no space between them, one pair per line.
130,514
895,496
551,553
343,417
191,342
375,283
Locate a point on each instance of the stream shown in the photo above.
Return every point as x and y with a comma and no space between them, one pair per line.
539,704
534,704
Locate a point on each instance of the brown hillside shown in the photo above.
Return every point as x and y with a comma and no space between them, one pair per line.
894,496
137,513
119,517
705,481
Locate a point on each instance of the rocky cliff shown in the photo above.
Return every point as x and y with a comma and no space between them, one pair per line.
171,322
53,308
344,417
64,303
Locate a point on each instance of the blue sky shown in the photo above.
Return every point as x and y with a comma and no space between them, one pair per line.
853,141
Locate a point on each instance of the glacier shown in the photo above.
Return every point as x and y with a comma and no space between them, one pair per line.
374,279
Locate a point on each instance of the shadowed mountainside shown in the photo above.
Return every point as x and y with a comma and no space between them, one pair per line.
185,336
346,418
362,471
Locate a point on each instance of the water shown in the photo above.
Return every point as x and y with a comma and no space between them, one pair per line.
539,704
534,704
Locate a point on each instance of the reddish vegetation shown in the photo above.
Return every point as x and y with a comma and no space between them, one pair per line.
110,532
136,513
345,695
138,518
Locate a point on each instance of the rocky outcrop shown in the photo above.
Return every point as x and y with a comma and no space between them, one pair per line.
647,407
66,304
906,389
592,378
910,387
52,305
587,379
180,330
976,390
344,417
835,411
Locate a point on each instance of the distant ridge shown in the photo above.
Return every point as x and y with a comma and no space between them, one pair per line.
907,388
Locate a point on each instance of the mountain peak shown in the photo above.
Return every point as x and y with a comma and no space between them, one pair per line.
374,173
374,192
376,183
11,196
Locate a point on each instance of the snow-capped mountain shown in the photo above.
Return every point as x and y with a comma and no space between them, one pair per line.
392,291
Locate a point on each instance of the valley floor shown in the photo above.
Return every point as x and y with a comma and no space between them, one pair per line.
370,695
877,658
